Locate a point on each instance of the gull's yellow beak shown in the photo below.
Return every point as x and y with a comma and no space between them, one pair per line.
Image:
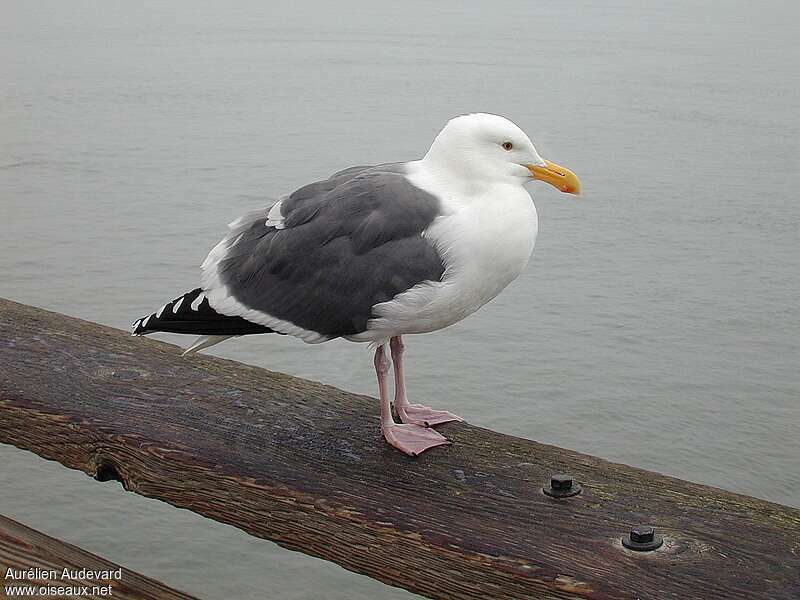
559,177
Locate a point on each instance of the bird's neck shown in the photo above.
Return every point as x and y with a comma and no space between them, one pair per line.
457,188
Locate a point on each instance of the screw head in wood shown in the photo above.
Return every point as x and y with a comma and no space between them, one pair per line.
642,539
562,486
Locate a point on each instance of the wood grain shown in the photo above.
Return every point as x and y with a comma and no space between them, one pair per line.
303,464
23,548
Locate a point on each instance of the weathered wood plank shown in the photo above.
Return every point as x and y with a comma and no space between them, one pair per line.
43,559
303,464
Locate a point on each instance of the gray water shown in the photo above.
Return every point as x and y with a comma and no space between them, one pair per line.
656,325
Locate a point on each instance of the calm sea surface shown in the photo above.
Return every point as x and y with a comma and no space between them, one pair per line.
656,325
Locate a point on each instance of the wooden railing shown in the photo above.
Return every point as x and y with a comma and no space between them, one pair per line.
35,565
303,464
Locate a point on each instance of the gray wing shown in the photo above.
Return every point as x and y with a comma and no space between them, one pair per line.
340,247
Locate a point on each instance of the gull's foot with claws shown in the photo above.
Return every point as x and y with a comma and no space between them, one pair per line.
413,439
418,414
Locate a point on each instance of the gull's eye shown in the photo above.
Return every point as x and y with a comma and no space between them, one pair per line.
507,146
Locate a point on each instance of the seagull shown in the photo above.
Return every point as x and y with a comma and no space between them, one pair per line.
374,253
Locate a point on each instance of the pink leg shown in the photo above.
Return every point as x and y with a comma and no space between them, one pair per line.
409,438
413,413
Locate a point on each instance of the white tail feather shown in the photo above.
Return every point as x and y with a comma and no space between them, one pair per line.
205,341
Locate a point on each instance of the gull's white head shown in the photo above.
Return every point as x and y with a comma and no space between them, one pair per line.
484,147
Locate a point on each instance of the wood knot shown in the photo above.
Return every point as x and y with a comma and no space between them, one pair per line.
105,469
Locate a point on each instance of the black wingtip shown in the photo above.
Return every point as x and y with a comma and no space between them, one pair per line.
137,328
191,313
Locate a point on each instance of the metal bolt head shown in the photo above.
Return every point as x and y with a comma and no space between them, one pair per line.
642,534
643,538
561,481
562,486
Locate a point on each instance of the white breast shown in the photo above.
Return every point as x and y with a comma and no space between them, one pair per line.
485,239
